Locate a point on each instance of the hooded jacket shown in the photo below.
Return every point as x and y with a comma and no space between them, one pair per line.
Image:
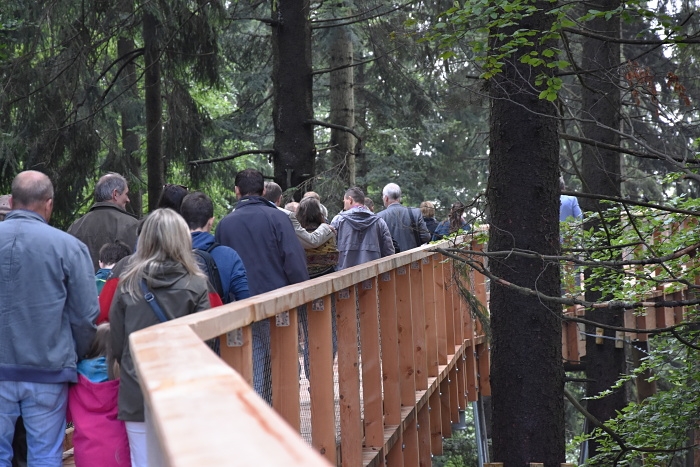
231,270
105,222
99,437
48,301
362,237
179,294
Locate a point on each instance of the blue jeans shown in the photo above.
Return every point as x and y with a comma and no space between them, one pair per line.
43,408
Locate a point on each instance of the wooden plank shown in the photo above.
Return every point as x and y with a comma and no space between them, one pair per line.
390,348
440,308
405,326
445,411
420,357
484,360
284,362
424,452
395,455
239,357
665,315
454,396
435,423
471,371
457,306
449,308
461,374
321,378
430,320
371,364
411,456
348,379
479,282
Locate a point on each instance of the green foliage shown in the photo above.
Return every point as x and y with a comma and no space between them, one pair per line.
460,449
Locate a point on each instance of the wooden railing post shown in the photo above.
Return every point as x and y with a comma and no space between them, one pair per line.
420,359
284,361
348,378
320,343
371,364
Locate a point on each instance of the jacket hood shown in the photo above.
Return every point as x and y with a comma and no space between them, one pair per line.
202,240
96,397
165,275
359,219
101,205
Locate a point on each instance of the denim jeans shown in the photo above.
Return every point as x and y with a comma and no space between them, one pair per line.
43,408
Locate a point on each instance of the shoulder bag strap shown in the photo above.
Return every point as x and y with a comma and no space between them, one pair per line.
151,300
414,227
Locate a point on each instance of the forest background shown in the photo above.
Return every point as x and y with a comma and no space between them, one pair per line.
487,102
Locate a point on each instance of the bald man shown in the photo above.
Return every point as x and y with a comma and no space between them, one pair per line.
48,304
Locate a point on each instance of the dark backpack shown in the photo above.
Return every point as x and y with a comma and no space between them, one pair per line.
206,263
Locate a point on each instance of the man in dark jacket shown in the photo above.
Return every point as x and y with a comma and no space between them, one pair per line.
198,211
48,305
273,257
107,220
406,225
362,236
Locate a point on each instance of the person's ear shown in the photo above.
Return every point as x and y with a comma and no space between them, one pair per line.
48,209
209,224
238,191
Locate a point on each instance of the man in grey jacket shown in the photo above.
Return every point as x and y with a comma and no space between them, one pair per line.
406,225
362,236
48,305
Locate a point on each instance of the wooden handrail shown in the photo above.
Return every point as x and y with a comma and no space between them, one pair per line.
204,412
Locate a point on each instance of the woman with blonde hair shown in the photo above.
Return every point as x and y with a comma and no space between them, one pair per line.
164,267
427,209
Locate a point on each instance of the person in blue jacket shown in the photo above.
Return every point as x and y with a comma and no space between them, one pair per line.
198,211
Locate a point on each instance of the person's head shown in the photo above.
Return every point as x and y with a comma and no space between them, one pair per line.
273,193
309,213
172,196
455,217
111,253
312,194
369,204
101,346
427,209
391,194
562,185
249,182
33,191
292,206
112,188
198,211
5,206
353,197
164,238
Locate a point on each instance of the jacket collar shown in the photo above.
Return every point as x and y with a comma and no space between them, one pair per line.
24,214
108,205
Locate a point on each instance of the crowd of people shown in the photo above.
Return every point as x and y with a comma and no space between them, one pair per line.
70,300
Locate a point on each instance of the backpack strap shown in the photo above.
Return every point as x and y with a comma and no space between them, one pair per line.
211,247
151,300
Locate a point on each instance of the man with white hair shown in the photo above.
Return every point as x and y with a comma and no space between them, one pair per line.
406,225
107,220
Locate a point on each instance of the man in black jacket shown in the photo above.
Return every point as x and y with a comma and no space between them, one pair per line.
264,238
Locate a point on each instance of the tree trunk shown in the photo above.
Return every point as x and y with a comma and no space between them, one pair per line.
342,99
527,375
292,106
129,122
601,175
154,110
